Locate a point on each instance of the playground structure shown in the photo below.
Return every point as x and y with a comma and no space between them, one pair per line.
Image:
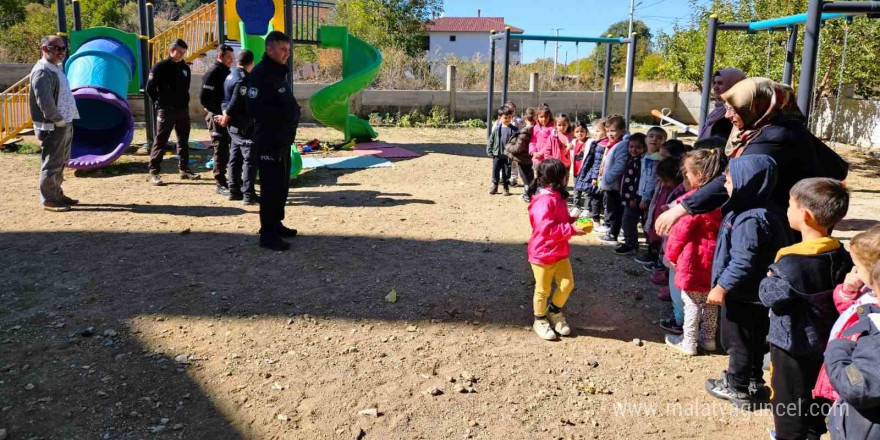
107,65
606,88
818,11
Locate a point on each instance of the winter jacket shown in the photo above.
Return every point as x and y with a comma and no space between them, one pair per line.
848,305
498,139
234,103
211,96
589,170
691,247
168,84
579,149
752,230
540,143
517,147
663,197
629,183
798,155
648,179
557,148
272,105
551,228
853,367
615,163
799,295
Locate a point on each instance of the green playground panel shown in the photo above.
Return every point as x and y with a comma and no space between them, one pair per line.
130,40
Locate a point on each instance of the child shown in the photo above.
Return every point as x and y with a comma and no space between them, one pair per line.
852,366
690,248
578,148
517,149
629,186
670,188
560,141
586,185
854,298
750,235
798,292
541,134
655,138
548,248
610,176
518,123
499,137
673,148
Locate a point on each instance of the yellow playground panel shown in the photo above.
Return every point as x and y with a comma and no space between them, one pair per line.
232,19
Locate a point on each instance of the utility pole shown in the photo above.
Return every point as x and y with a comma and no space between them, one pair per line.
632,10
556,52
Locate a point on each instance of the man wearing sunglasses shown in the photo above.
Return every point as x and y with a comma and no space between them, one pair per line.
53,111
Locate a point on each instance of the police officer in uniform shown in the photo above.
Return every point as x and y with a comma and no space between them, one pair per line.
211,98
276,116
168,87
242,157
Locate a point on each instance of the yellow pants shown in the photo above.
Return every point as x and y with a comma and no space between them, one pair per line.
544,275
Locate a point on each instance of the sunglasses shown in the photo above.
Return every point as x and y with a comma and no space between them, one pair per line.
57,48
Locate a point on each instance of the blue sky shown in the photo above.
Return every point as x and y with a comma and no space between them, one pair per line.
575,17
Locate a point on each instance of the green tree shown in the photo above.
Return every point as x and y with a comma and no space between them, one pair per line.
102,13
650,68
387,23
11,12
20,43
620,29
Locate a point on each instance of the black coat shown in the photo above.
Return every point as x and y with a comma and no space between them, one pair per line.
272,105
211,96
168,84
235,88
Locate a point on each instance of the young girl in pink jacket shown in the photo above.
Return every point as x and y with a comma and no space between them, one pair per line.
548,250
540,147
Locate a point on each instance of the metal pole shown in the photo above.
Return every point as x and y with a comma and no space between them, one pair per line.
606,87
556,52
62,20
708,68
221,22
630,71
491,85
151,30
77,16
145,68
808,59
288,30
504,81
788,71
632,11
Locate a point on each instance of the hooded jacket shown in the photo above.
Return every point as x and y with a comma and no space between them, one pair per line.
648,179
691,246
551,228
517,147
799,295
615,164
752,230
590,168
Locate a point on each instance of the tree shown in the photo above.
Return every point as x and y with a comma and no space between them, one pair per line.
20,43
650,68
618,64
388,23
11,12
101,13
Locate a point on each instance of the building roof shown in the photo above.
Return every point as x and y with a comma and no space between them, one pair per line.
470,24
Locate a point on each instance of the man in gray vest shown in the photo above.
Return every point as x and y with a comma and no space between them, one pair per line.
53,111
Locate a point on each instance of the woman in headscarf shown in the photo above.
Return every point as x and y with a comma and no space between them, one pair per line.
716,124
766,120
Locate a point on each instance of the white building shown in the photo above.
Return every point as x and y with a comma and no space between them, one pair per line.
468,37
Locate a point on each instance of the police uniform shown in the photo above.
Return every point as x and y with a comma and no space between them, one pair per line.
211,98
242,157
168,87
276,116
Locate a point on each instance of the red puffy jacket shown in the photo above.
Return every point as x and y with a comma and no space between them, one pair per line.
691,247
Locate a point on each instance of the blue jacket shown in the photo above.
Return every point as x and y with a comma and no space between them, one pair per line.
799,296
590,168
234,102
752,230
854,371
648,179
615,164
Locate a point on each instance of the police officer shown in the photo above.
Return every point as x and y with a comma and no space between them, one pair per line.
211,98
168,87
242,158
276,116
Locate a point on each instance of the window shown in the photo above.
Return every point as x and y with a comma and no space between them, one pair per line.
452,38
425,42
514,45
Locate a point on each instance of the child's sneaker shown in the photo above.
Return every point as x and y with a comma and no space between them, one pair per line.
645,259
660,278
721,389
559,323
493,189
707,346
664,294
524,197
513,181
506,190
543,330
671,325
608,239
625,249
602,230
677,342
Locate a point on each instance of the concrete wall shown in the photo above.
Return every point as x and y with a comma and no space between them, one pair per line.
857,122
12,73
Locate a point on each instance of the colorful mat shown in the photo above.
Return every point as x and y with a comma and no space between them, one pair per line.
383,149
351,162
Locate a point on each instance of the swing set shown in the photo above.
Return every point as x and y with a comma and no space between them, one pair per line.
506,36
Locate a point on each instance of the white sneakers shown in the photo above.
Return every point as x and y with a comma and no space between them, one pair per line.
543,330
559,324
677,342
552,327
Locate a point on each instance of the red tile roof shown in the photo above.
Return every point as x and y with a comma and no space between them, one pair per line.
470,24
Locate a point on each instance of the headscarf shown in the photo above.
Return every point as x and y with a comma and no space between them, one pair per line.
758,102
728,76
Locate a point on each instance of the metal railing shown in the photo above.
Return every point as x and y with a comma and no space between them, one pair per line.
307,18
15,113
198,29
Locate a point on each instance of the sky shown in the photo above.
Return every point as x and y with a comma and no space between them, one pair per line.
576,18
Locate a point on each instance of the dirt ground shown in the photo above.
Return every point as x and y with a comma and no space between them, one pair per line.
151,312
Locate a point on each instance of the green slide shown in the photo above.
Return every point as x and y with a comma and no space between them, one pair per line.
360,66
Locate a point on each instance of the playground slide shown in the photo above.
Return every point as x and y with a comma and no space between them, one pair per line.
360,66
100,72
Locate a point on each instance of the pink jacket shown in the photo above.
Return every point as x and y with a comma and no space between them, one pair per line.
541,145
691,247
551,228
846,303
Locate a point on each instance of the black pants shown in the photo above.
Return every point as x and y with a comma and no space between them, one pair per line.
526,173
274,164
613,212
242,165
796,415
220,142
501,170
744,328
166,120
631,218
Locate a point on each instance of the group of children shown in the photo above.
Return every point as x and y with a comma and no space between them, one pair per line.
810,303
